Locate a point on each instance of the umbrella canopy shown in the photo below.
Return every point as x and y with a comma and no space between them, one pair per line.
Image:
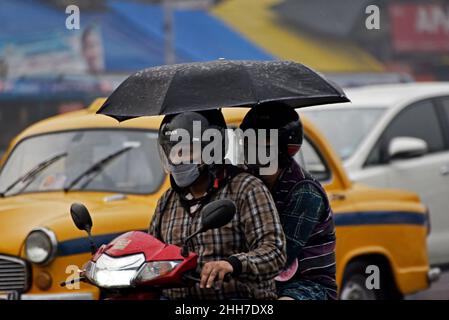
223,83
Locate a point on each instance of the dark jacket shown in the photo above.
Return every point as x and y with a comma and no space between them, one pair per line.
307,220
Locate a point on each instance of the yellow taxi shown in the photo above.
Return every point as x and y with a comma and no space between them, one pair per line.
114,169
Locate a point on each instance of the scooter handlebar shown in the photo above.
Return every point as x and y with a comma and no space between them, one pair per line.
195,277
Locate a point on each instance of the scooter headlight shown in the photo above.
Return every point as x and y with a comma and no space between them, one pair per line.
155,269
110,272
40,246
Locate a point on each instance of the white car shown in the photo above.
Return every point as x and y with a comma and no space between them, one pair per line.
397,136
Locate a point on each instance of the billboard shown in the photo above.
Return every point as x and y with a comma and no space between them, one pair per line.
51,53
419,27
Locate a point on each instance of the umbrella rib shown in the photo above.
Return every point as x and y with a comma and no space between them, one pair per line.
161,112
326,81
252,84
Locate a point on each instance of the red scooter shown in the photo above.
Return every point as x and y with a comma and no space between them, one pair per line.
136,265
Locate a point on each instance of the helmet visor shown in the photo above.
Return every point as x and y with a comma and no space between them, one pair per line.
178,154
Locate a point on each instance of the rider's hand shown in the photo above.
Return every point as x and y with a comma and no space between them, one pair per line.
213,269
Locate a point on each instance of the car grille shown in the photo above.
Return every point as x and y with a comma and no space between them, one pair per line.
13,274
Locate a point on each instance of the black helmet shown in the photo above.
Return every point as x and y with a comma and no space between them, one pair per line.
277,115
187,130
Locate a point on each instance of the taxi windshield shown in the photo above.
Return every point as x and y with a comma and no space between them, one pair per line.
109,160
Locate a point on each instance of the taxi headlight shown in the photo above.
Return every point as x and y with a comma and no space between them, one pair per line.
40,246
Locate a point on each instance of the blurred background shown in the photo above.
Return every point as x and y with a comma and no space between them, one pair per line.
46,69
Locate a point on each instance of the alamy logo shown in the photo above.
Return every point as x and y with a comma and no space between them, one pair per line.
72,22
72,282
373,279
372,22
254,147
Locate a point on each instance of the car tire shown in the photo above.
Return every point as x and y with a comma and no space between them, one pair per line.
354,287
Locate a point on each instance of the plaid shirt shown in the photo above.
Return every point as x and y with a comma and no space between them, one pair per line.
254,237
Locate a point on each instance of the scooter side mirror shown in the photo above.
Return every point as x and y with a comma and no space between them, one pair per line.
214,215
83,221
81,217
217,214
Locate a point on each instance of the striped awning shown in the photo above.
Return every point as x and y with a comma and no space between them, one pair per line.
256,20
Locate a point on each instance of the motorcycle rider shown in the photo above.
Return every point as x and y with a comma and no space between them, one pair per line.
302,204
251,247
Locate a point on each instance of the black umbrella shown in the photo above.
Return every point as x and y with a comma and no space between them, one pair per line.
216,84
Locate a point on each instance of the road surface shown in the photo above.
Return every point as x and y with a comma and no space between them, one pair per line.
438,291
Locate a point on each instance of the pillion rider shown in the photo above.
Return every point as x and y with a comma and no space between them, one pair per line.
302,204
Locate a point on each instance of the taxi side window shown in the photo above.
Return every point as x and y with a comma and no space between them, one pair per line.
310,158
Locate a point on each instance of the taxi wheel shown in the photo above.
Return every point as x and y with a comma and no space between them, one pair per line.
354,284
354,289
